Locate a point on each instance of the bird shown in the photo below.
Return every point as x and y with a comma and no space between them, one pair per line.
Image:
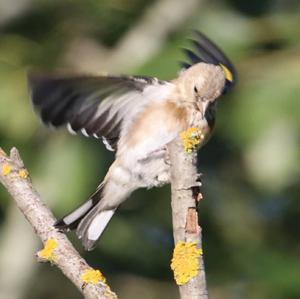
136,117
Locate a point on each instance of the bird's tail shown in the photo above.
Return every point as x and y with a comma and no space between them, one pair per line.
72,220
90,219
93,224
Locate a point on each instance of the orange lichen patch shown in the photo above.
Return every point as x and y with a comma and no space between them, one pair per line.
47,253
191,138
185,261
6,169
23,173
93,276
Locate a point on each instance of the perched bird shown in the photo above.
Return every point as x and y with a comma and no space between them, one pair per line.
136,117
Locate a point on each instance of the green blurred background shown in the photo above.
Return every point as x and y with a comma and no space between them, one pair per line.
250,215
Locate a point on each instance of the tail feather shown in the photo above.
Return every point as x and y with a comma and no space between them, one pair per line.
92,226
72,220
91,218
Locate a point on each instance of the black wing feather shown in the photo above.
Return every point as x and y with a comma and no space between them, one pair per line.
205,43
184,65
208,52
192,56
76,101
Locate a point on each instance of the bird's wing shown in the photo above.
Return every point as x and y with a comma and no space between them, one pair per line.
94,105
207,51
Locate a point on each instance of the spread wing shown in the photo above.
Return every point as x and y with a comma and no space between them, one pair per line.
207,51
93,105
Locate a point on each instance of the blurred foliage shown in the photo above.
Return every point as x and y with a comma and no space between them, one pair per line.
250,215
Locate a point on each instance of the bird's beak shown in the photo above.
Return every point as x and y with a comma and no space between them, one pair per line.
203,107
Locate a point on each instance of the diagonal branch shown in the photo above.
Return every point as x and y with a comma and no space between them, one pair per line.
187,260
14,177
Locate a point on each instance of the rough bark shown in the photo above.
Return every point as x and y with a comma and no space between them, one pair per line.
67,259
184,178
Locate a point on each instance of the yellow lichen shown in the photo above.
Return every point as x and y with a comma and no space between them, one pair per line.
191,138
23,173
96,277
93,276
47,253
6,169
185,261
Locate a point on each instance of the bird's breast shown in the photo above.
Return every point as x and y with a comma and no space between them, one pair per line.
156,121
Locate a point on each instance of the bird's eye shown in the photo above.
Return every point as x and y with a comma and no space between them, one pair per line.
195,89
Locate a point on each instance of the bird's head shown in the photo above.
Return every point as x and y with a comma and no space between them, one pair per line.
207,75
202,84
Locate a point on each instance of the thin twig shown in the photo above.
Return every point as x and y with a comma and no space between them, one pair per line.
184,214
14,177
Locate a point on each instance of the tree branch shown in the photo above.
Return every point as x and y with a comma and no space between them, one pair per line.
184,183
15,179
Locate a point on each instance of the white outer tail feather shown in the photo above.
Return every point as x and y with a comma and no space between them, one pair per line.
98,224
79,212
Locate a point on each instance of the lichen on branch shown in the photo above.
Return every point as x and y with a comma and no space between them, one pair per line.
6,169
92,276
192,138
47,253
185,261
95,277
